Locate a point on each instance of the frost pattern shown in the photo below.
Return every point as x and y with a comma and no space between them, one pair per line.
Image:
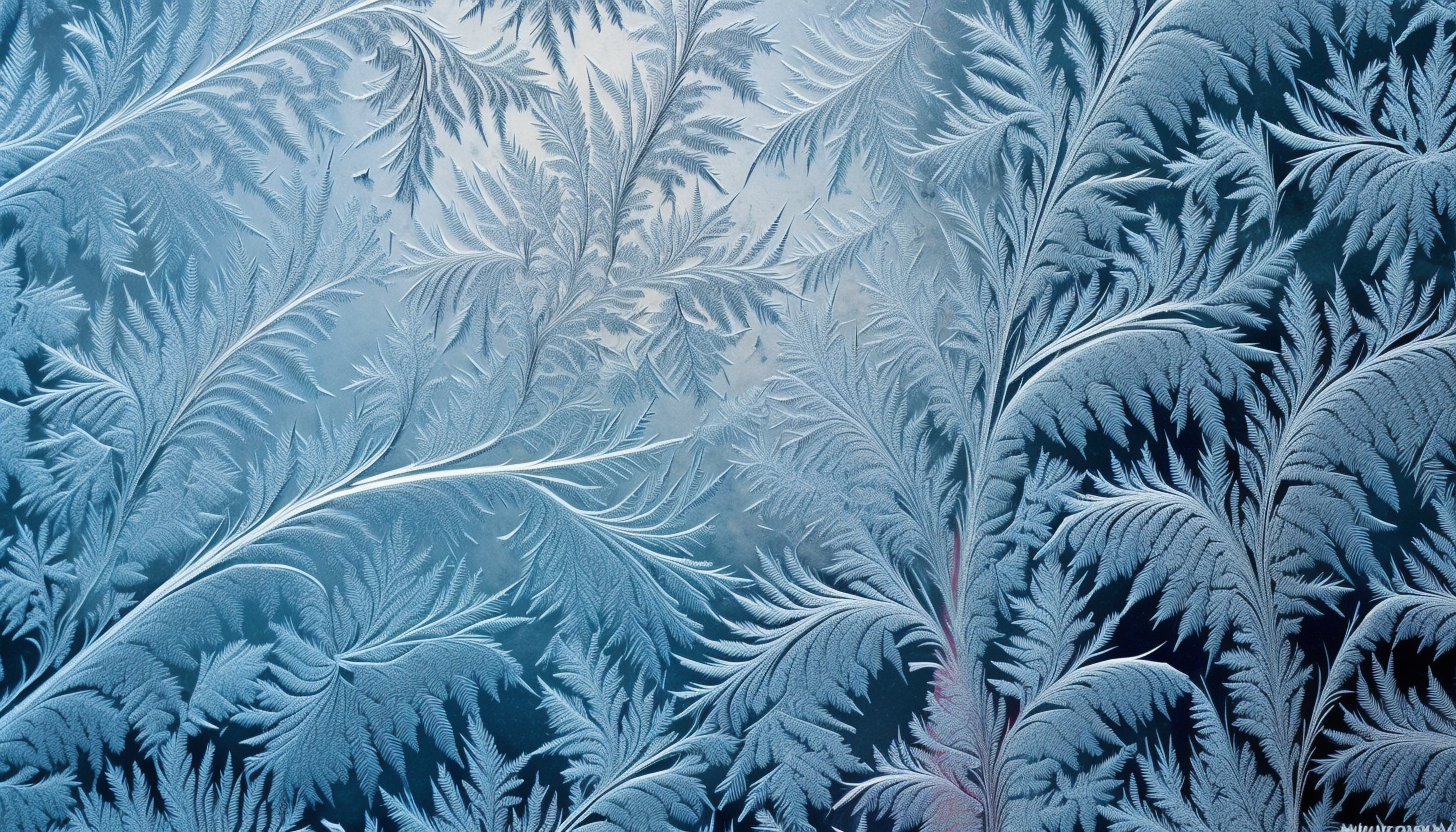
549,415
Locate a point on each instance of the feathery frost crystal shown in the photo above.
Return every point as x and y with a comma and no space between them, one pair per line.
647,415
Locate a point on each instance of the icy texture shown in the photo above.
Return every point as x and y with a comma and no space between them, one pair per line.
546,415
